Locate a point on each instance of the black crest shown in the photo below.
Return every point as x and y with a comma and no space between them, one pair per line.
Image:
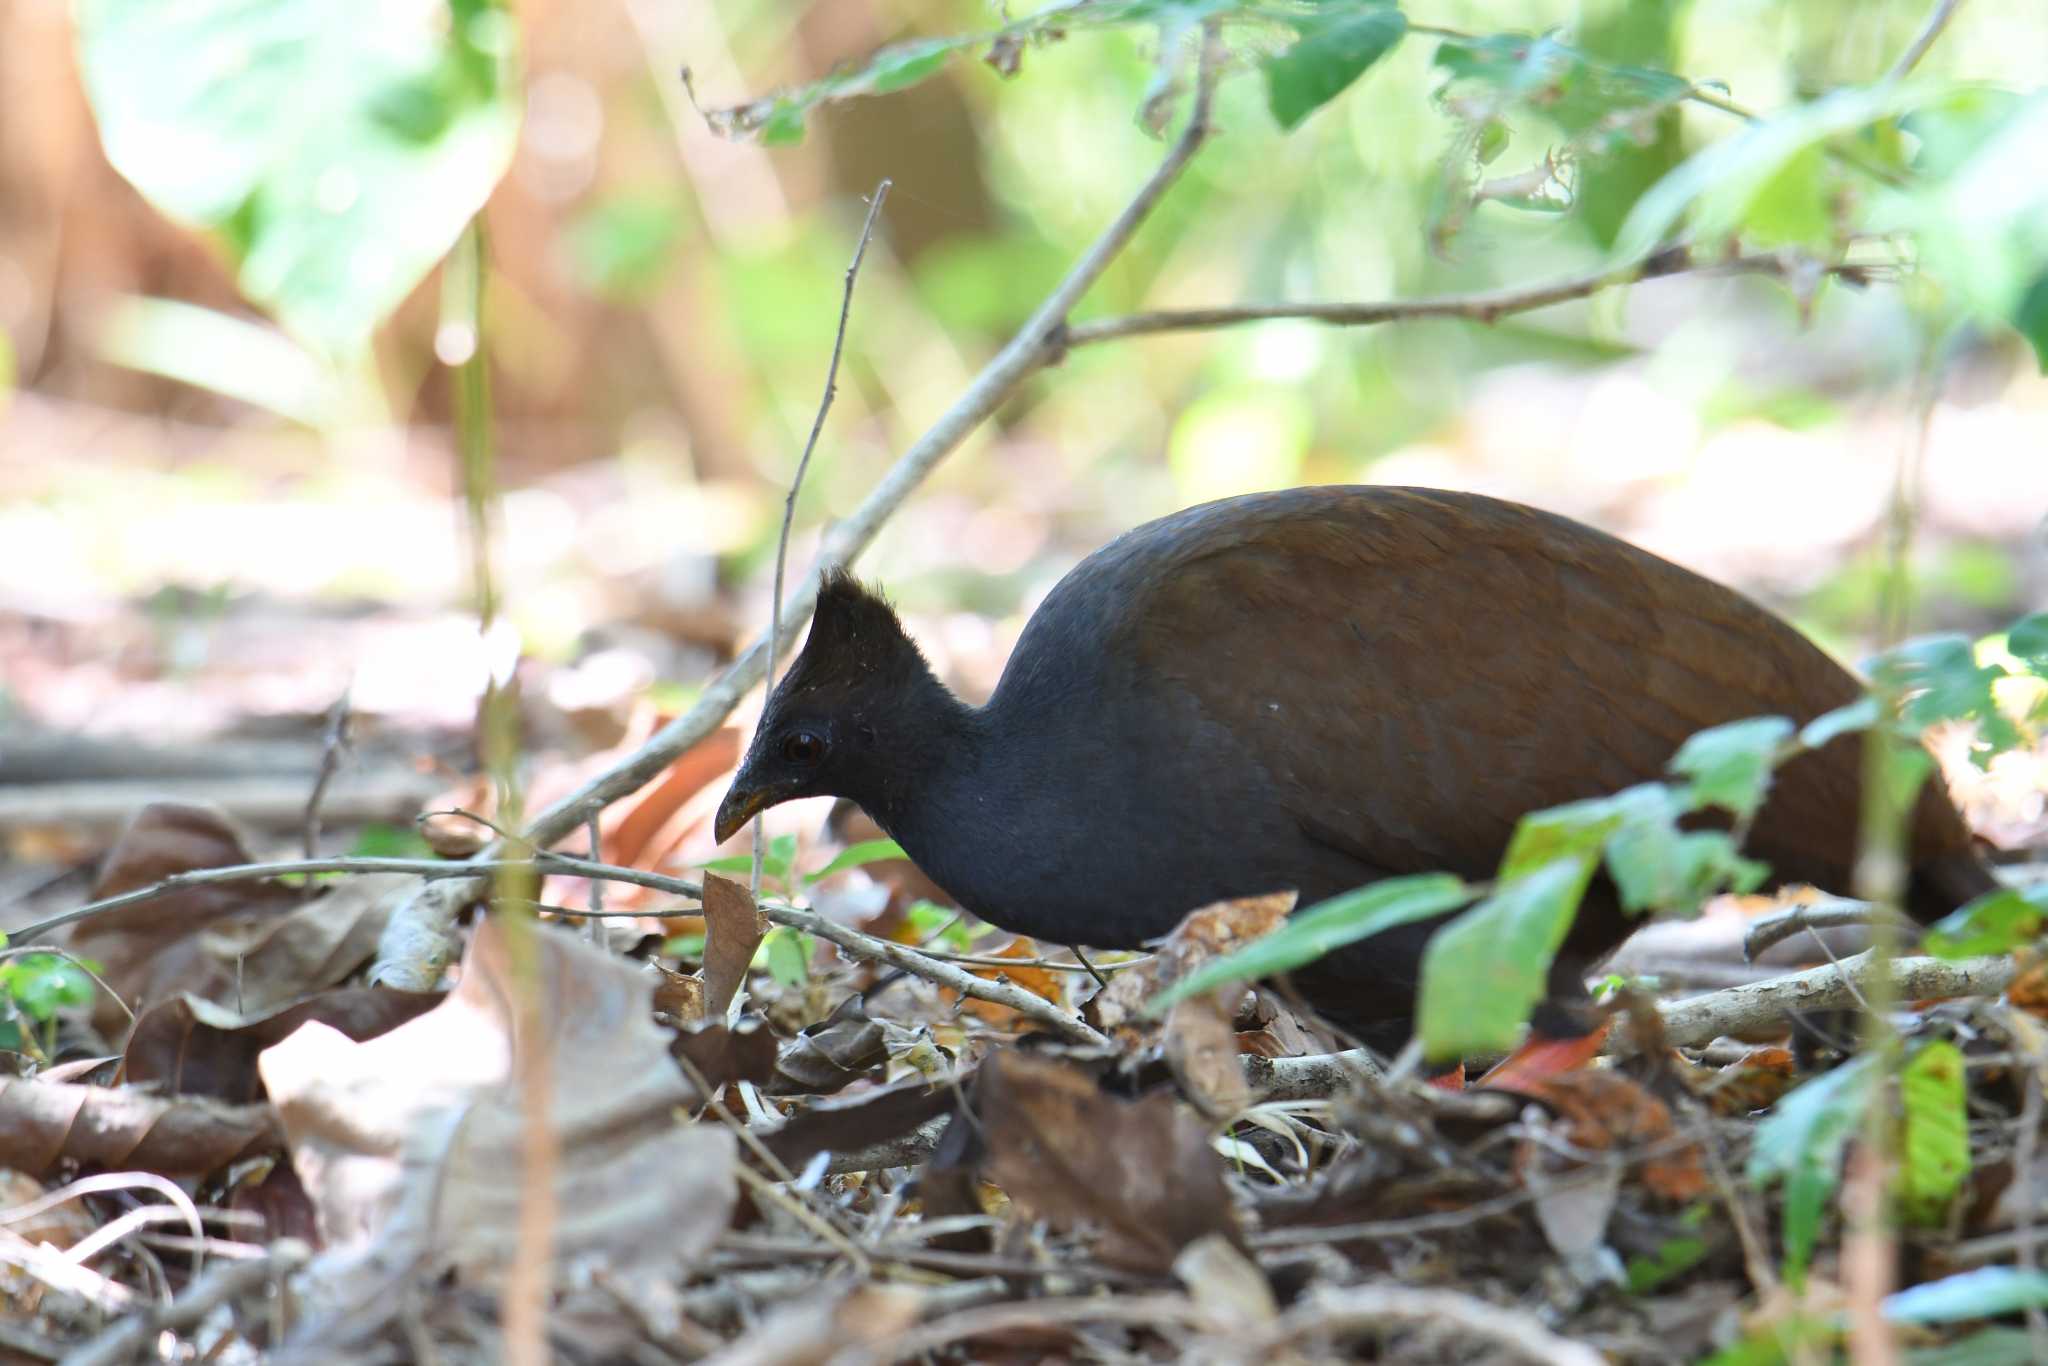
855,635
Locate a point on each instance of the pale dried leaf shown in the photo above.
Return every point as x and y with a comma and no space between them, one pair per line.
410,1144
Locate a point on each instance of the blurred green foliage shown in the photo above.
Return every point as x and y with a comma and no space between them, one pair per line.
333,151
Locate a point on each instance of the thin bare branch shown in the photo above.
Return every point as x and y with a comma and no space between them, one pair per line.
1763,1005
1833,914
1486,306
796,484
1930,32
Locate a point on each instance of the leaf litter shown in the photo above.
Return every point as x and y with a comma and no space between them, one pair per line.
815,1157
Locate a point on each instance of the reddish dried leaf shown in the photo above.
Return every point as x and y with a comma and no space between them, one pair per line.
640,823
1605,1111
44,1123
733,929
1140,1173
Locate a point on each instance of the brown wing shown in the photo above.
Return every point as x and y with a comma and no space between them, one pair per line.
1420,668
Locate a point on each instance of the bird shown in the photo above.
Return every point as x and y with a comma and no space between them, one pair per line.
1314,689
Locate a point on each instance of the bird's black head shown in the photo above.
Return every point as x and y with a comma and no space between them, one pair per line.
857,706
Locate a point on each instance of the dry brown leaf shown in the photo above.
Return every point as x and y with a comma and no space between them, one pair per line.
722,1054
832,1054
847,1124
1140,1173
131,943
1202,935
43,1123
252,946
411,1144
191,1046
733,929
678,996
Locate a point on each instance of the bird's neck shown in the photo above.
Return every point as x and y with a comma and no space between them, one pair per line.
936,742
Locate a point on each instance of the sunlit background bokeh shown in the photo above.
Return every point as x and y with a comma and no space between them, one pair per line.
197,524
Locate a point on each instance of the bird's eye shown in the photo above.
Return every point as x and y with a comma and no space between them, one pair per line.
803,747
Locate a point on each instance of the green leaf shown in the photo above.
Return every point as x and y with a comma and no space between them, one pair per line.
336,153
1655,864
1587,98
1861,714
1730,766
1996,922
1335,48
1942,681
41,984
1327,925
789,956
778,119
1934,1150
1739,183
775,864
854,855
1986,1293
1575,831
2028,640
1483,972
623,246
1800,1142
1986,1347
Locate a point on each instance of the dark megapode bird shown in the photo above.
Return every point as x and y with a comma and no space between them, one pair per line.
1314,689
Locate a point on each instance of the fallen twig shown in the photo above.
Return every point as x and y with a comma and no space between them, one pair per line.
1325,1312
227,1281
1764,1005
1832,914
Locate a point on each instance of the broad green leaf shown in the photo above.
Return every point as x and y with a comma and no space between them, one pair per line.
1730,766
1996,922
775,864
1861,714
1483,972
1943,681
2028,640
1986,1293
1721,187
1575,831
1674,1256
1934,1148
854,855
1800,1143
1985,1347
41,984
1327,925
335,151
2029,319
1335,48
1655,864
789,955
1982,219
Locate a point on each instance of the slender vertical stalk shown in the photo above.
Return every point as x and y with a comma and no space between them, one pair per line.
460,343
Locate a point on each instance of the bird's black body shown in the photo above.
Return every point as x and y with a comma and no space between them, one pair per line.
1312,690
